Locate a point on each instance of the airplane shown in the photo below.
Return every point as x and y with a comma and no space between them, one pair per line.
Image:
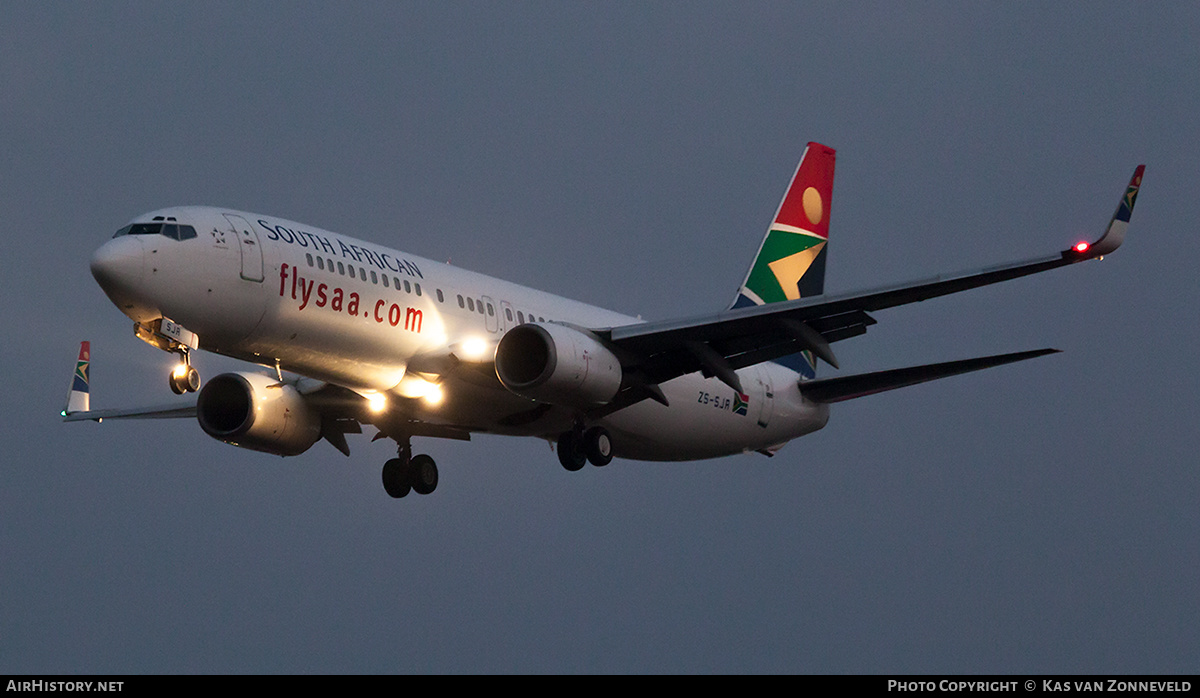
353,333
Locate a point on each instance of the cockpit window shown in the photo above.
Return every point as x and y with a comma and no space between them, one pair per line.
171,230
140,229
179,232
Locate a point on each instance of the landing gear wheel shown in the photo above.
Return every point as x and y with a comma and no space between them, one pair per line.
184,379
570,451
423,474
597,446
395,478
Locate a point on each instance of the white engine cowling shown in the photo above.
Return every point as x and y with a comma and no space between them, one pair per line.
256,412
557,364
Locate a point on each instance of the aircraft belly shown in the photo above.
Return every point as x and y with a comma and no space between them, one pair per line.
475,405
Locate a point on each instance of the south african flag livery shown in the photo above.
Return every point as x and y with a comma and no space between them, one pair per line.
79,398
790,263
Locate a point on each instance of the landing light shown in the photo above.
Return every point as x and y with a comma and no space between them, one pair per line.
433,395
376,402
180,371
1081,247
474,348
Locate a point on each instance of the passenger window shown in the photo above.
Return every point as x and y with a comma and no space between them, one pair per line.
479,306
418,287
362,273
520,317
407,286
374,279
321,263
441,298
508,314
308,256
491,310
461,303
341,269
385,281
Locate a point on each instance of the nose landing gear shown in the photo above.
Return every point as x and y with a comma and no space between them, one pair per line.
174,338
184,378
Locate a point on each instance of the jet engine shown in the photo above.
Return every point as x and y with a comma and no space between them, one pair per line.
557,364
257,412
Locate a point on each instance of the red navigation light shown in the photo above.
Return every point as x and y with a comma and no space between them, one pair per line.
1081,247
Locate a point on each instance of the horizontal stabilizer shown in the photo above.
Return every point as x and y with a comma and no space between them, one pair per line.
849,387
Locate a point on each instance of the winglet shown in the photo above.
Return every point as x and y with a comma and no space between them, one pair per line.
79,398
1115,234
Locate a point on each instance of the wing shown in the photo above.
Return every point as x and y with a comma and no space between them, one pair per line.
78,407
342,410
186,408
720,343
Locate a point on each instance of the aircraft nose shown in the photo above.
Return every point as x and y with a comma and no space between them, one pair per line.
118,264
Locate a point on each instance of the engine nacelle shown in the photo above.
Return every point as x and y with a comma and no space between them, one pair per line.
256,412
557,364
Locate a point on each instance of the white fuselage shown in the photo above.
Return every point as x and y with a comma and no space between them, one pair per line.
337,309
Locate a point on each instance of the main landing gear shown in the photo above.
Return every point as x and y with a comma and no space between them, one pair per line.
577,447
184,378
408,472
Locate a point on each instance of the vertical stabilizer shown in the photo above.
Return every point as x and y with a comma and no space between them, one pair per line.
79,400
790,263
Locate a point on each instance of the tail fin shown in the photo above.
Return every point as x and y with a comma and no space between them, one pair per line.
790,263
79,399
791,259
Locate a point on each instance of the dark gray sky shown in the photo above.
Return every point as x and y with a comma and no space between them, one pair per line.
1033,518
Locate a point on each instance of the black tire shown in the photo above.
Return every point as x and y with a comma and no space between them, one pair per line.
395,478
570,451
597,445
423,474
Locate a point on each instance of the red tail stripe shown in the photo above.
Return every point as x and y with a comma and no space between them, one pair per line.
815,172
